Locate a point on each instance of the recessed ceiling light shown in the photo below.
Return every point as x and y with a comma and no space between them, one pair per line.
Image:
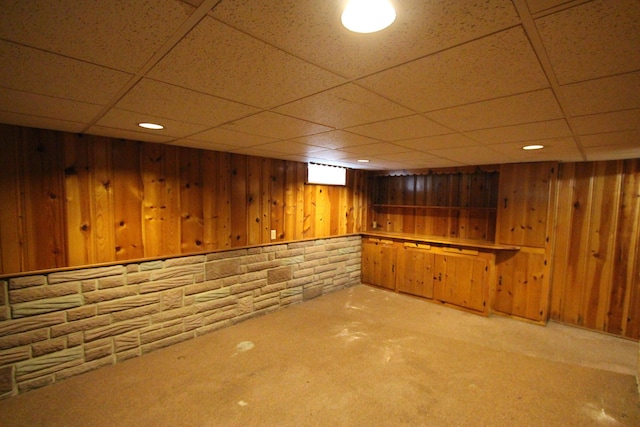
153,126
363,161
533,147
368,16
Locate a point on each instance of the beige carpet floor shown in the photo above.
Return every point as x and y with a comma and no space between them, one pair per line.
357,357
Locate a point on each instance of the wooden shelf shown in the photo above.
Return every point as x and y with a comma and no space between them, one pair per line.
463,243
379,205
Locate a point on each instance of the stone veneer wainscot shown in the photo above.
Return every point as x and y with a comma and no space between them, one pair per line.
57,325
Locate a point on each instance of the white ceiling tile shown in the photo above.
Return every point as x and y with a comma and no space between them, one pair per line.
477,155
607,122
523,132
128,120
97,32
327,155
402,128
453,140
536,6
603,95
343,106
289,147
376,149
335,139
622,139
203,145
554,149
275,126
173,102
494,66
606,153
312,30
593,39
47,74
48,107
220,136
518,109
219,60
129,135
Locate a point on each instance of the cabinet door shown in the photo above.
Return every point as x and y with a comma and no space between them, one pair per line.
460,281
415,271
523,203
522,288
378,264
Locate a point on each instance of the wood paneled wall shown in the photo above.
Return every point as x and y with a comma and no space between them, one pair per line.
70,200
452,203
596,264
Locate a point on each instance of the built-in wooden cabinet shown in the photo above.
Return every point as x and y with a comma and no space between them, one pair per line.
524,198
522,288
454,273
379,263
461,280
415,269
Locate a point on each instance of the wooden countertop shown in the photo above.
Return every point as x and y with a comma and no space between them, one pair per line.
466,243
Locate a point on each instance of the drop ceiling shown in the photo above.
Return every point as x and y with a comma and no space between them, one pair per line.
450,83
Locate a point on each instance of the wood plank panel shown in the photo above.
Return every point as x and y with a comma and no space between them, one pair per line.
102,199
12,254
238,199
605,189
191,201
521,289
161,214
415,272
127,200
79,223
625,256
255,199
277,199
43,187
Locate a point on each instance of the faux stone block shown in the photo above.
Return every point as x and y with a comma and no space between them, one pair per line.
80,313
4,287
90,273
179,271
164,284
43,292
49,346
244,287
169,315
236,253
126,342
109,294
27,282
222,268
311,292
49,363
151,265
139,312
80,326
212,295
146,338
139,277
24,338
31,323
45,306
172,299
278,275
127,303
167,342
6,379
173,262
115,329
112,282
202,287
13,355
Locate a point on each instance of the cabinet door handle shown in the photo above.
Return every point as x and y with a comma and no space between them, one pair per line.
439,277
505,202
500,281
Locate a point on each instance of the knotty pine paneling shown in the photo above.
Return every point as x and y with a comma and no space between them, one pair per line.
444,203
595,267
71,200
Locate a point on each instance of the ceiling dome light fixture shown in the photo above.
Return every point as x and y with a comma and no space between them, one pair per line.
368,16
533,147
152,126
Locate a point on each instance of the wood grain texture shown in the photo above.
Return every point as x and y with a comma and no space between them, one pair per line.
454,204
71,200
595,267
